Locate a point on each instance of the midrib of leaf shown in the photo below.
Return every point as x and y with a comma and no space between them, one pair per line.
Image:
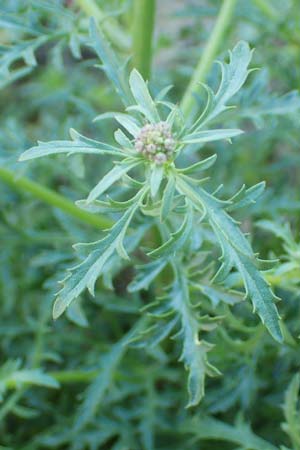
231,238
85,274
193,351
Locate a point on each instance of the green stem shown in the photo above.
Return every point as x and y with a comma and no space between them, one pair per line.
142,33
109,25
62,377
266,9
210,51
22,184
75,376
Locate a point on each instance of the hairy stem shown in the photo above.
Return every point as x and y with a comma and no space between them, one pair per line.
142,33
210,51
109,25
23,184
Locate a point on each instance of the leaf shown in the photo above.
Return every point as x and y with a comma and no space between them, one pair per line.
16,74
199,166
74,44
76,314
156,177
23,50
210,136
246,197
12,376
216,295
13,22
34,376
233,76
163,92
282,231
85,274
154,334
95,393
110,178
129,123
236,252
111,65
176,309
176,240
255,101
282,105
167,198
123,140
80,144
209,428
146,274
291,411
142,96
194,351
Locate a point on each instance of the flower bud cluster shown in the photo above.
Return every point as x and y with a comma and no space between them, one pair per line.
155,142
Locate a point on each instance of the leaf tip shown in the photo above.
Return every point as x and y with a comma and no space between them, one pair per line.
58,309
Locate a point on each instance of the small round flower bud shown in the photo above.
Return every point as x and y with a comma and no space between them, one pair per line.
151,148
160,158
155,142
169,143
139,146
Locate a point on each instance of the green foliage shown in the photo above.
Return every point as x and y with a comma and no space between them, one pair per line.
291,413
168,331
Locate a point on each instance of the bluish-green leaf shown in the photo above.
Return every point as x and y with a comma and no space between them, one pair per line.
199,166
79,144
109,179
210,136
85,274
142,96
237,252
114,69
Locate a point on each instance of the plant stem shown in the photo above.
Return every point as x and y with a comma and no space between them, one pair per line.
266,9
75,376
22,184
142,33
210,51
109,25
